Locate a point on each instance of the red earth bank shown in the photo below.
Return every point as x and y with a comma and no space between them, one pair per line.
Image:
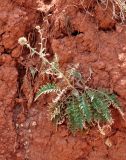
79,32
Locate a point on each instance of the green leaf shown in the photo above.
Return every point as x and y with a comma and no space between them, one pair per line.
114,101
100,104
84,106
105,111
111,99
75,117
46,89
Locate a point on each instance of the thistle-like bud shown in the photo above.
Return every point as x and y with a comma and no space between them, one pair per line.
22,41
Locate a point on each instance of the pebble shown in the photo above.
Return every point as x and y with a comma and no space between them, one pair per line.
21,125
34,123
108,142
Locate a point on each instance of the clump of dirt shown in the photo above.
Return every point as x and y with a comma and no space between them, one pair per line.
79,32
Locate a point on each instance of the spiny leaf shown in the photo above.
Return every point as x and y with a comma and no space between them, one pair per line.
60,95
85,108
115,103
98,104
105,112
98,117
112,99
46,89
54,112
75,117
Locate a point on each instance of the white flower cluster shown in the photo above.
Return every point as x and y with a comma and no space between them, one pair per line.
22,41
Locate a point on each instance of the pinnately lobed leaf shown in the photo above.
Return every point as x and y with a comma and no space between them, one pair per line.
46,89
100,104
85,108
75,117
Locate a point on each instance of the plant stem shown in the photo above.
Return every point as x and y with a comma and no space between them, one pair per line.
66,79
46,60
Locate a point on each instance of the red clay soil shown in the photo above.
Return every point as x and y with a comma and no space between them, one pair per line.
79,32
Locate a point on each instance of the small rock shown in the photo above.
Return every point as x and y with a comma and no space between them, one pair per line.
17,125
122,57
22,125
25,143
124,48
29,131
108,142
34,123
